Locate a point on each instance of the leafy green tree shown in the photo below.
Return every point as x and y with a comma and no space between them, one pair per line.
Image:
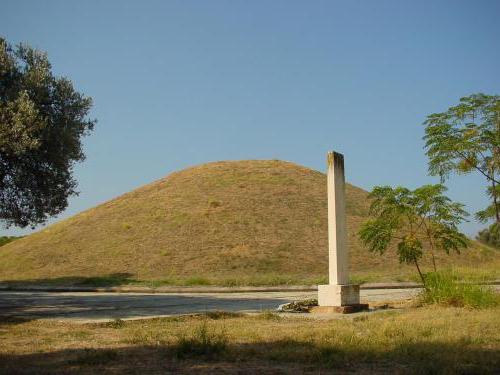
414,221
466,138
42,122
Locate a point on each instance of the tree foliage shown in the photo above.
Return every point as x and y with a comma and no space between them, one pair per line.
490,235
42,122
415,221
466,138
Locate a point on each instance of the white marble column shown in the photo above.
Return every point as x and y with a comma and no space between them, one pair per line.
338,292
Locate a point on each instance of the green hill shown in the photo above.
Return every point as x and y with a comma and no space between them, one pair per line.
235,222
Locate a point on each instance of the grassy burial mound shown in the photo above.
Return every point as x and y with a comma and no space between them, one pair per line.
227,223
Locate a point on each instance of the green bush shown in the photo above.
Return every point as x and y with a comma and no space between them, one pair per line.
490,236
444,288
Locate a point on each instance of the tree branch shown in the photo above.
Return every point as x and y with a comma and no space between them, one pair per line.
476,167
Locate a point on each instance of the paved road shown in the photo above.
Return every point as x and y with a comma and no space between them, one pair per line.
104,306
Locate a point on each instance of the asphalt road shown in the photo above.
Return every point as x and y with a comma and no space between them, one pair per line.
84,306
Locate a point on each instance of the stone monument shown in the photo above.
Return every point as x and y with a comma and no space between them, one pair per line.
338,295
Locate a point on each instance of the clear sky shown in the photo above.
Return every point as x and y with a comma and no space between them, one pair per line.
178,83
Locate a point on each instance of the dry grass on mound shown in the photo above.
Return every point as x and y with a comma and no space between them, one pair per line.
228,223
423,340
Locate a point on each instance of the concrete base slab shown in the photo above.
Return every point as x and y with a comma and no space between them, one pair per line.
348,309
338,295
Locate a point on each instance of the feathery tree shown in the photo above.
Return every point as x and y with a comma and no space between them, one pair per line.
415,221
42,122
466,138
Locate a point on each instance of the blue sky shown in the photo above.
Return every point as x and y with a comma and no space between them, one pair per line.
178,83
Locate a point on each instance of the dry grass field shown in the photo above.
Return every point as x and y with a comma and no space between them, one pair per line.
227,223
425,340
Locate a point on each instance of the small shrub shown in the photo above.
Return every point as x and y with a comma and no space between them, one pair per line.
443,288
216,315
116,323
203,342
269,315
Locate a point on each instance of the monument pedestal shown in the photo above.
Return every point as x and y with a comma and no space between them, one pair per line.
342,299
338,295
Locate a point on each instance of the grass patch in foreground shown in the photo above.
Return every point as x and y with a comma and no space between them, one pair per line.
426,340
94,357
446,288
202,342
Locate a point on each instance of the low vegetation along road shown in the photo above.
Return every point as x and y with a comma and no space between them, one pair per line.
104,306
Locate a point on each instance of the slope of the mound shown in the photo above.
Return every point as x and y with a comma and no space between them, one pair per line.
241,220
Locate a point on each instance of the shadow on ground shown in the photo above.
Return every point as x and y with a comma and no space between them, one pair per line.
288,356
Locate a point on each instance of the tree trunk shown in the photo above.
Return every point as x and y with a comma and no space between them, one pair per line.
420,273
432,248
495,155
495,200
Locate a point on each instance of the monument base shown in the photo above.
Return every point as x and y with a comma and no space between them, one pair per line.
338,295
